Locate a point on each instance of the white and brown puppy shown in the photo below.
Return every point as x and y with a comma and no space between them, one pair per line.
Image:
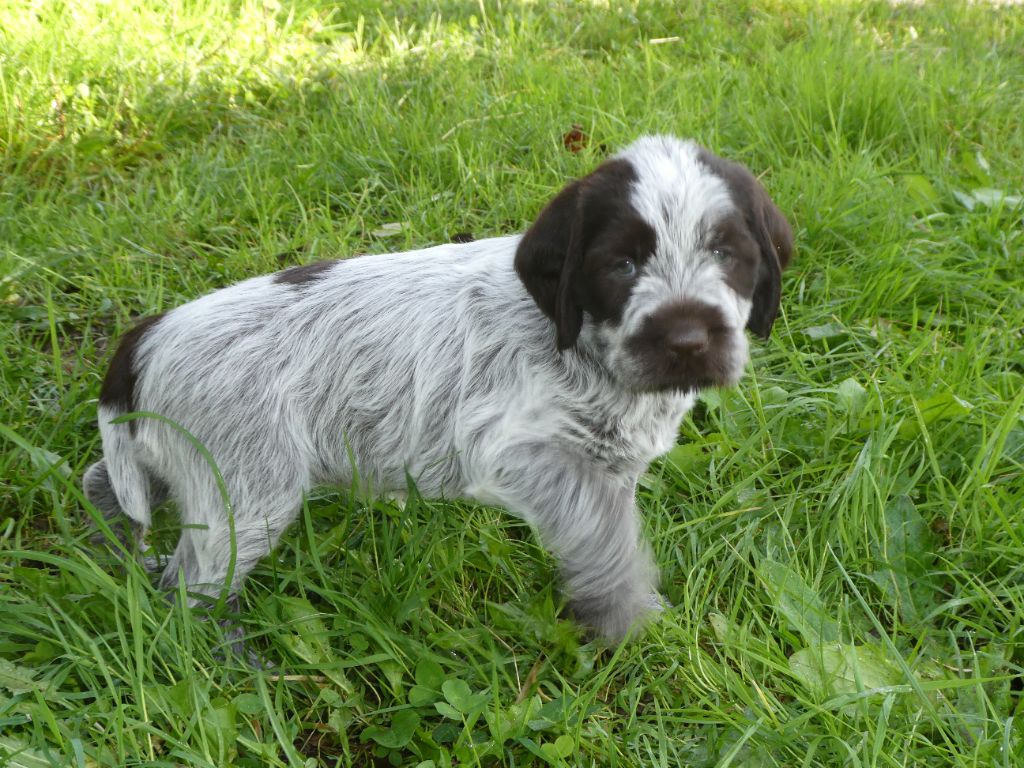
541,372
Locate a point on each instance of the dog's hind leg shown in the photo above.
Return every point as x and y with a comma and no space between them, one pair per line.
213,553
219,547
99,490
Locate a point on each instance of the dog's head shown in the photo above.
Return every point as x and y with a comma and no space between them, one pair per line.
660,258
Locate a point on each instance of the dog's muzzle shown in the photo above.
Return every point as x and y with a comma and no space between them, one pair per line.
686,346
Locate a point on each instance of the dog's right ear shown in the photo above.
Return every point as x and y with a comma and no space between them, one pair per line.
548,257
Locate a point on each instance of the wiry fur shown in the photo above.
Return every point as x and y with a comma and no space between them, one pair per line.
442,364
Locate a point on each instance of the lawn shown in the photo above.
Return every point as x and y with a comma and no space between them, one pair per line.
842,536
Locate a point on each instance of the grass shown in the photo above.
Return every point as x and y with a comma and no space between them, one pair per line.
842,536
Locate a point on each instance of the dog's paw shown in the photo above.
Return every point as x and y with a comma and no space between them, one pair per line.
658,602
617,619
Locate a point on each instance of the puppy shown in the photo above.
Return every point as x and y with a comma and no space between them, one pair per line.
541,372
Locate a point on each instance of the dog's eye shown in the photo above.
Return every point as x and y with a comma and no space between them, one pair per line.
625,268
721,253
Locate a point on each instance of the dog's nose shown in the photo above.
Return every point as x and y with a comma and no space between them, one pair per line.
687,339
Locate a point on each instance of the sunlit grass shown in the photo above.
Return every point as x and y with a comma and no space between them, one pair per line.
841,537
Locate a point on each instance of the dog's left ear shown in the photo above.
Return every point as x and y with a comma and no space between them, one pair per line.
771,230
775,238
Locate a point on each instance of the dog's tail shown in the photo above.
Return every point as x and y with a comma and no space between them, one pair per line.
119,484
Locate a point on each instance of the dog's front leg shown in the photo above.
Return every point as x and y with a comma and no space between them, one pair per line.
587,517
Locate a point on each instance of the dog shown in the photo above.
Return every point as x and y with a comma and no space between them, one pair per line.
540,372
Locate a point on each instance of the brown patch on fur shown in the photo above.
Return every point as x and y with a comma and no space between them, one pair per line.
567,259
304,273
769,229
738,252
118,389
